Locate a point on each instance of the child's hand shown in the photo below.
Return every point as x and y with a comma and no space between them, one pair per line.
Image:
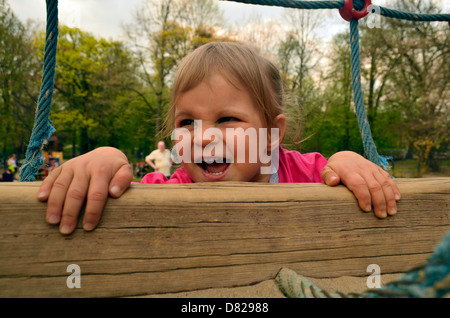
371,185
95,174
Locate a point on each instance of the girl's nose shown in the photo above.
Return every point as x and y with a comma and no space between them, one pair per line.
204,134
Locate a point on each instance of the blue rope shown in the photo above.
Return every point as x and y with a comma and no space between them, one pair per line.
43,128
431,280
390,13
296,4
339,4
369,145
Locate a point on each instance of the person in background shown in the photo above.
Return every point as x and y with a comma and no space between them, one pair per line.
12,163
8,176
160,159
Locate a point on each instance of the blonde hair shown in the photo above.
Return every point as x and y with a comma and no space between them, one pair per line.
239,64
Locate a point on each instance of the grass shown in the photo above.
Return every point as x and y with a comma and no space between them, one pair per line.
408,169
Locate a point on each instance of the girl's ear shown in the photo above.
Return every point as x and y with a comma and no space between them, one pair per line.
280,123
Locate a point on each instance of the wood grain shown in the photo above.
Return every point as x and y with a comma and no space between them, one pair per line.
160,239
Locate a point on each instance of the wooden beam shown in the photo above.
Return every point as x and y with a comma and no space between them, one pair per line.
171,238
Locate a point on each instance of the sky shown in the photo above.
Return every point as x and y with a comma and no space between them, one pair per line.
105,17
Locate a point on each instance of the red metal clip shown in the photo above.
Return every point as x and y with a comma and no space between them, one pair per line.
348,12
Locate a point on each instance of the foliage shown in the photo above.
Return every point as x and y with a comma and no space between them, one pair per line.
93,80
19,83
162,33
420,81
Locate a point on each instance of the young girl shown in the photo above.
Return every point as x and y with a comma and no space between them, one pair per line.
219,88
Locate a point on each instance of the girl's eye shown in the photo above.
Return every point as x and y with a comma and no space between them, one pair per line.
186,122
225,119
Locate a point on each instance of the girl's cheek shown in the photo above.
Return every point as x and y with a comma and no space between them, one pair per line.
245,148
182,139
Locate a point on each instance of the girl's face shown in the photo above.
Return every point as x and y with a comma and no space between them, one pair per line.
215,103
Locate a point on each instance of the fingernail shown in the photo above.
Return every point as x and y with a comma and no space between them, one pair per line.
383,214
53,219
331,180
397,197
65,229
88,226
392,211
368,208
115,190
42,195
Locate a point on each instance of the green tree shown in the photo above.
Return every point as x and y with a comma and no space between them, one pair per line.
376,70
338,128
93,84
19,83
200,13
162,33
154,37
420,79
298,56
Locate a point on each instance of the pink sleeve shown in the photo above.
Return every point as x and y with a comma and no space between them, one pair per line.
314,163
295,167
179,176
154,178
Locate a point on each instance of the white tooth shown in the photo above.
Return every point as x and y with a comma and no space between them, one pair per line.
216,173
213,159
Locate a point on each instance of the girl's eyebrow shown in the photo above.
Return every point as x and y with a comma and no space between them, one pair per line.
183,114
223,113
233,113
228,110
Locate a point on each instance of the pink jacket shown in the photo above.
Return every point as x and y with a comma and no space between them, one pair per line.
294,167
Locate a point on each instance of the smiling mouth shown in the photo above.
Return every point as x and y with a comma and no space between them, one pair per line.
214,168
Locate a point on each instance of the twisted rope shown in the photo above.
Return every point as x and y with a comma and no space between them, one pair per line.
390,13
432,280
369,145
296,4
339,4
43,128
